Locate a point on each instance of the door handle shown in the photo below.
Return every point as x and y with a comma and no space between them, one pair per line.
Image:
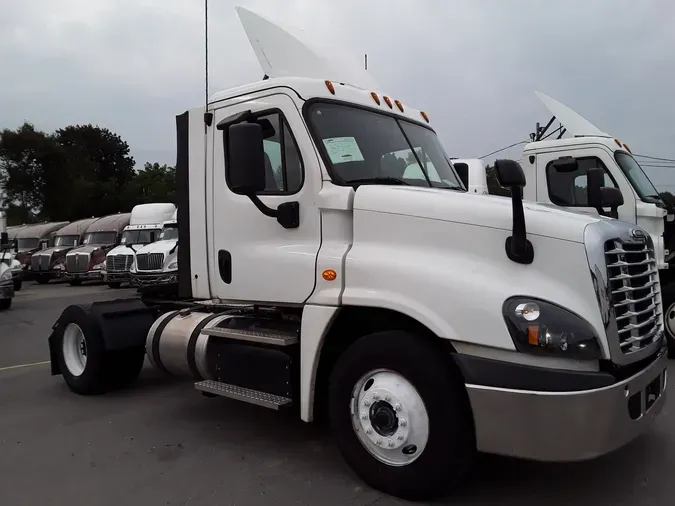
225,265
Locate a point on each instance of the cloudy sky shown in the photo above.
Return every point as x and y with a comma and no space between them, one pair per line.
132,65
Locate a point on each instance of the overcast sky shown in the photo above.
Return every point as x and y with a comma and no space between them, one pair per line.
132,65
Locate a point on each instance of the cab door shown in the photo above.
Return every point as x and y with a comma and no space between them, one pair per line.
569,189
252,257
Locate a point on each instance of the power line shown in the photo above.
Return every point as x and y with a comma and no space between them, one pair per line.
504,149
655,158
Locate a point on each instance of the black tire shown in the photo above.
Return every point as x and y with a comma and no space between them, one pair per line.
114,284
668,300
5,304
42,279
450,452
104,370
75,282
18,284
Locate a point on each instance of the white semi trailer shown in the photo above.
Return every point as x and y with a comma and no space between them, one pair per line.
425,323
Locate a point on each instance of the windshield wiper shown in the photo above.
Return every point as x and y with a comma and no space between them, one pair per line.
378,180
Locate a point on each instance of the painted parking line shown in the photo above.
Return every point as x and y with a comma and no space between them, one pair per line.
23,365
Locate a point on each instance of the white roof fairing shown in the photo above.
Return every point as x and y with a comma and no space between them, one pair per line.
575,124
283,52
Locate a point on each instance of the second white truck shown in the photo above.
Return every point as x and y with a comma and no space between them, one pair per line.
423,322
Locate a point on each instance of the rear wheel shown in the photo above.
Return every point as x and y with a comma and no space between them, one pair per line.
75,282
5,304
401,415
18,284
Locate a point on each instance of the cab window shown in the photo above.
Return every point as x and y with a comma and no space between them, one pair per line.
570,189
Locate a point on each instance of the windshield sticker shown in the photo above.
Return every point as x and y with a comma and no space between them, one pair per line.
343,149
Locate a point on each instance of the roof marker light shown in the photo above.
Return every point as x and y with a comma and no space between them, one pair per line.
387,101
399,105
375,97
330,87
627,148
618,142
424,115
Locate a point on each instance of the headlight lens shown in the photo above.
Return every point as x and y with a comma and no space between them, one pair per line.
6,275
543,328
173,266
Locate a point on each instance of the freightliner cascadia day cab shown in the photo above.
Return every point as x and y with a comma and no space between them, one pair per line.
575,173
86,262
423,322
49,263
34,238
156,267
145,226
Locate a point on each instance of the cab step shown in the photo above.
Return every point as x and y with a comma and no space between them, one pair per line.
273,337
256,397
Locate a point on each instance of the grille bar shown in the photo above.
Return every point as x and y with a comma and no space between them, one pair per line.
632,274
118,263
149,261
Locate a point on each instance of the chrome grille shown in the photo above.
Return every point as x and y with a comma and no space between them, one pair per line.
45,261
149,261
633,285
35,262
118,263
77,262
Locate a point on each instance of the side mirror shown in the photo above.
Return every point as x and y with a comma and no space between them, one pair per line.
4,240
15,245
510,175
75,243
600,196
44,244
565,164
246,158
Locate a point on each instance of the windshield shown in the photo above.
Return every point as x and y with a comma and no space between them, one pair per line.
169,232
100,238
637,177
370,146
28,243
145,236
66,240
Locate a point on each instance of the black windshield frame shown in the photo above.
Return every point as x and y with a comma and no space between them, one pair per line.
400,121
646,195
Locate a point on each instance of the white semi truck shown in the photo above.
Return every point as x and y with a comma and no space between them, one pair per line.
145,226
155,270
8,265
423,322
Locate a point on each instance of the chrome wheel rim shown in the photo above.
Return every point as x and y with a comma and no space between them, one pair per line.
74,349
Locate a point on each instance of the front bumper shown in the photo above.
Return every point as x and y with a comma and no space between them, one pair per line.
6,289
572,425
154,279
85,276
116,277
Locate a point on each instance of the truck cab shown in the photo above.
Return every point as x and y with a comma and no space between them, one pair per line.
472,173
32,239
156,267
87,261
145,226
557,172
8,265
49,263
333,263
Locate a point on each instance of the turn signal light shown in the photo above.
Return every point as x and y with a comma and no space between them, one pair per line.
387,101
399,105
424,115
375,97
329,275
330,87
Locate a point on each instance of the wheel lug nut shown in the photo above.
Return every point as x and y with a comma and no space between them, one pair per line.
398,407
400,437
364,416
369,430
376,397
366,403
387,397
403,422
379,441
390,443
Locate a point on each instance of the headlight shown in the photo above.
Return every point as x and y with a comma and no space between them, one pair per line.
6,275
100,266
540,327
172,266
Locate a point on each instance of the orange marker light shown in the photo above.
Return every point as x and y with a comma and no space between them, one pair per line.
533,336
329,275
627,148
387,101
330,87
399,105
375,97
618,142
424,115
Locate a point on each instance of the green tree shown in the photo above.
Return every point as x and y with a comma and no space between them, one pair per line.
153,183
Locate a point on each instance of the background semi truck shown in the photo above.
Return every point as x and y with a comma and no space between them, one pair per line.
155,270
423,322
86,262
8,264
145,226
32,238
49,263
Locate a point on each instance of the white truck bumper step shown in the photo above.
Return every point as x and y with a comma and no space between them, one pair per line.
254,336
263,399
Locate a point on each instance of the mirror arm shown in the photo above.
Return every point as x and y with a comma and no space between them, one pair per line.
267,211
518,247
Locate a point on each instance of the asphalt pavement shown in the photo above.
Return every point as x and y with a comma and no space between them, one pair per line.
160,443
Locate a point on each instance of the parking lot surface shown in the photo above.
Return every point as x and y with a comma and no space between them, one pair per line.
160,443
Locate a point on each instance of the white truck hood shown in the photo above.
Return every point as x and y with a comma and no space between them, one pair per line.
479,210
158,247
123,249
575,124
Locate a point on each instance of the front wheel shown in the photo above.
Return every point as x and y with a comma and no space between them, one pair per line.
75,282
401,415
114,284
18,284
42,279
668,299
5,304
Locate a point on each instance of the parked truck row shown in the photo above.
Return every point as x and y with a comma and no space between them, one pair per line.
335,265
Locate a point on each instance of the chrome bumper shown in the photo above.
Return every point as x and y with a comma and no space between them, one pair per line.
159,278
85,276
568,426
115,277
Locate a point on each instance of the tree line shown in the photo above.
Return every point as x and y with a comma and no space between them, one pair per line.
74,172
